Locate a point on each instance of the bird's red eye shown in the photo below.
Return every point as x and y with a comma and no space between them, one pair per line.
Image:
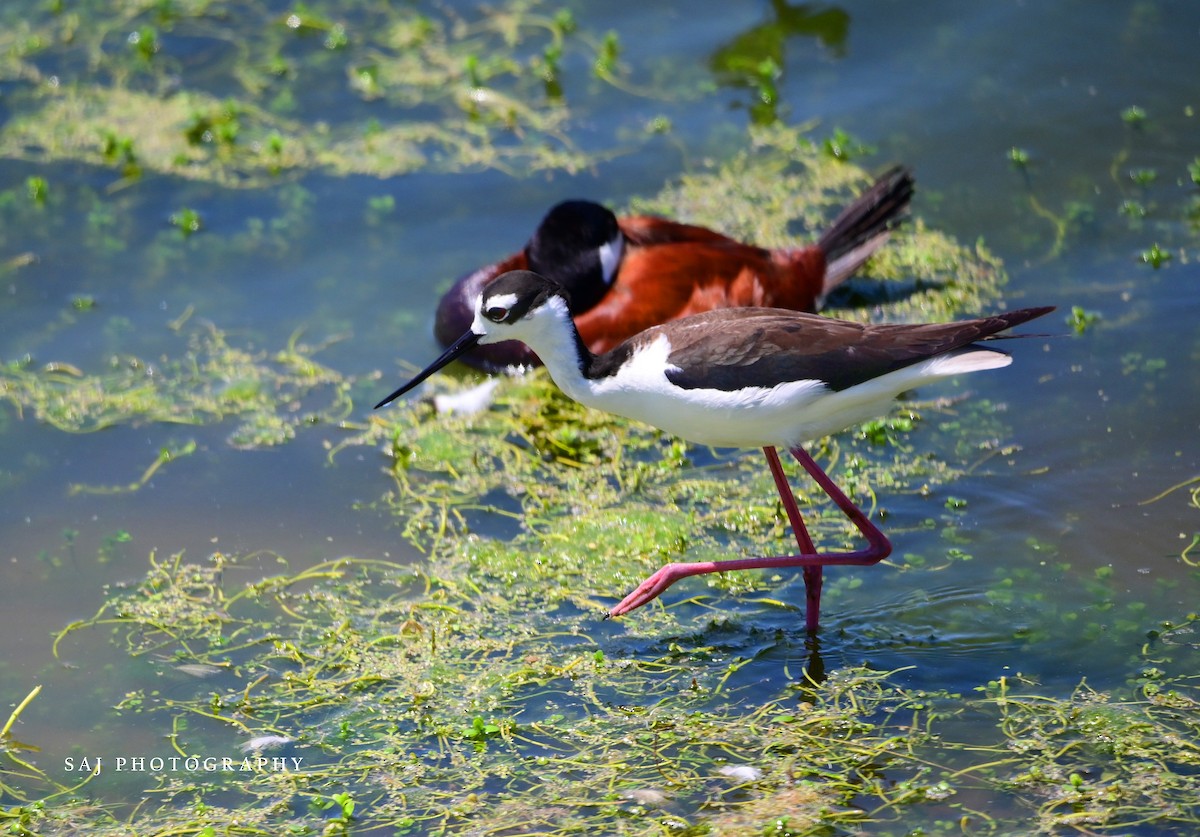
496,314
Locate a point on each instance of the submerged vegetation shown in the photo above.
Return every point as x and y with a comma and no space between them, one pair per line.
209,382
423,701
484,91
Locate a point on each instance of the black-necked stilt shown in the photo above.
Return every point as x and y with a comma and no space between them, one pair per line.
739,377
626,274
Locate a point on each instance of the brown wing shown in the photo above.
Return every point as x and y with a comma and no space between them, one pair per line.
669,281
648,230
737,348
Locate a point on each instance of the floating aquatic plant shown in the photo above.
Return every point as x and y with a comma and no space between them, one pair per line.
421,700
480,92
209,381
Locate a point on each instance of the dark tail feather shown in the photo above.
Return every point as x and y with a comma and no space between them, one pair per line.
874,211
863,226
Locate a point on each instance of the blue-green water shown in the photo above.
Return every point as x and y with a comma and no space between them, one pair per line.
1104,421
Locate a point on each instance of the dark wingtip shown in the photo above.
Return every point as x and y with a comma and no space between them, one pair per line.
1024,315
1010,319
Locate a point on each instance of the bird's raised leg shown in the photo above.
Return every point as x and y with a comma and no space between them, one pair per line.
878,546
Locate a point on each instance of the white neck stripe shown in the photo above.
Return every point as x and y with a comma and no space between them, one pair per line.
610,257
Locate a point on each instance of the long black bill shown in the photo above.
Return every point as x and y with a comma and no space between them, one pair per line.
460,346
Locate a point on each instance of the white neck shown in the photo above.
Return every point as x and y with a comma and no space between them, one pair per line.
553,336
550,332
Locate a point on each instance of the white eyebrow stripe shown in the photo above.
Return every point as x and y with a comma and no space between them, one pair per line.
500,301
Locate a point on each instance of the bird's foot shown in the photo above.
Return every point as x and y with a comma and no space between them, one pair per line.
652,588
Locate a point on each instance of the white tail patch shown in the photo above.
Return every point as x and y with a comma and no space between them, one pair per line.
967,360
847,264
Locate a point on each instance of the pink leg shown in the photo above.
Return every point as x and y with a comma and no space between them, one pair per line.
813,576
878,546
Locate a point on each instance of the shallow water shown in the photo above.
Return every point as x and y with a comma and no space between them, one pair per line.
1104,421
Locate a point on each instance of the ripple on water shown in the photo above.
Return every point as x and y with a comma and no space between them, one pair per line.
951,637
